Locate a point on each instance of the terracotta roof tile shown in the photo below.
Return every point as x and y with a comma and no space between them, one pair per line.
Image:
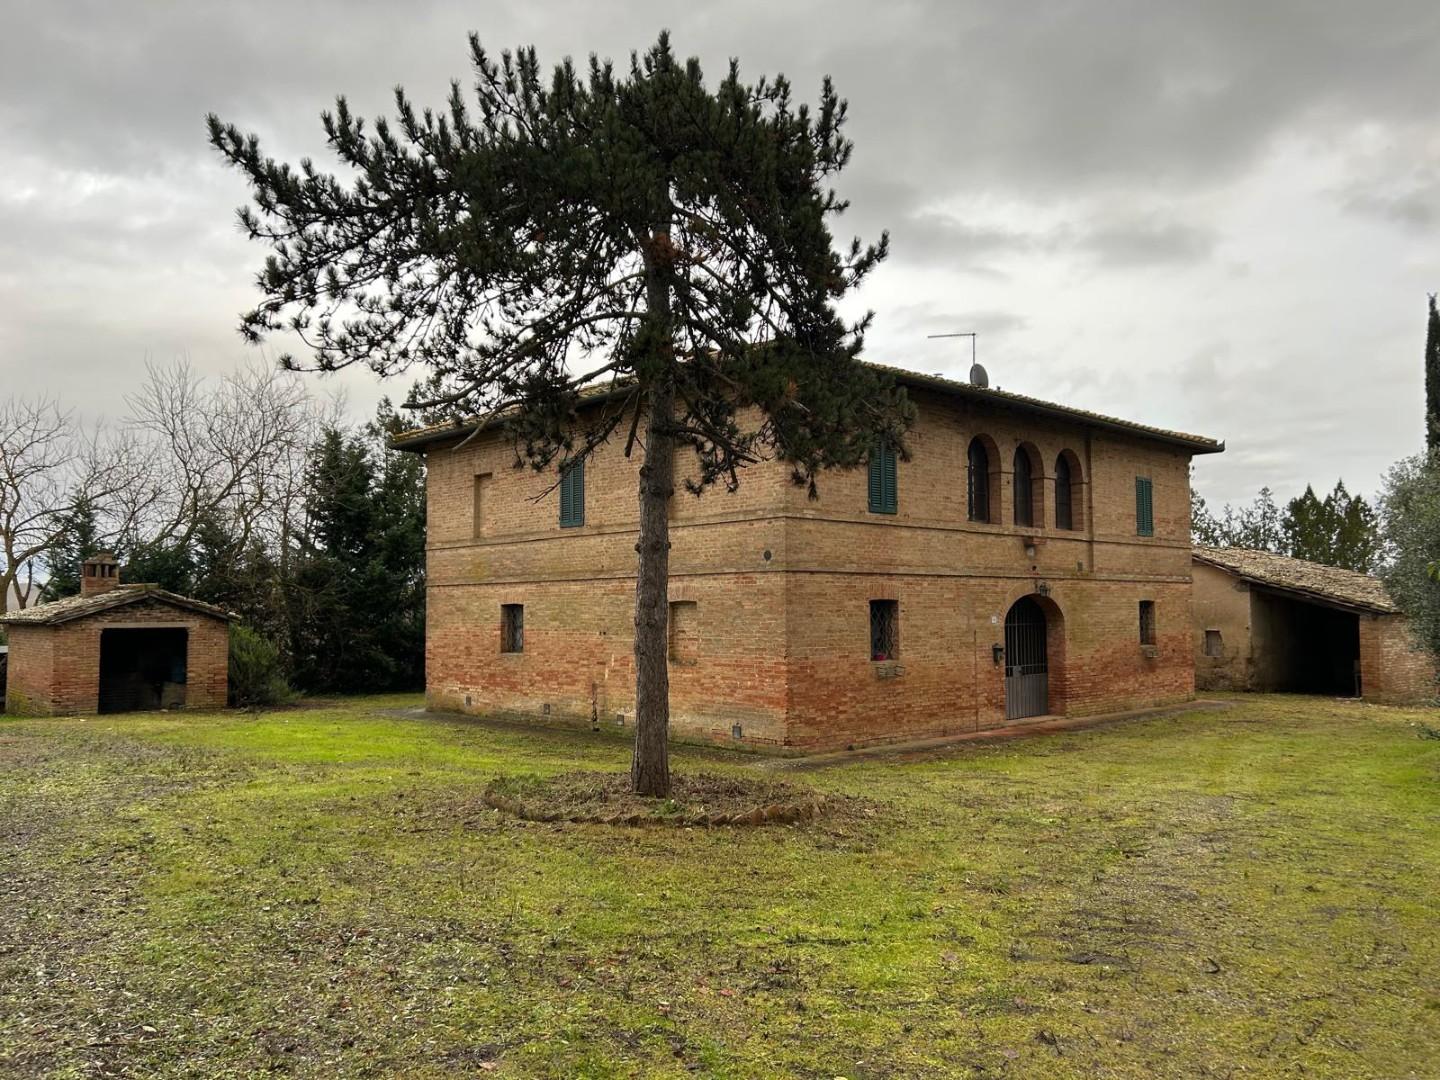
1297,575
76,607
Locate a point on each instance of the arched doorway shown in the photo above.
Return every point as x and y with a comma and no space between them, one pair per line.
1027,667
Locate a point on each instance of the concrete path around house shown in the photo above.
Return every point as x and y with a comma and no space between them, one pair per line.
1040,725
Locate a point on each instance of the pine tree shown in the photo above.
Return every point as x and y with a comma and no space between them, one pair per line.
1340,530
637,230
79,539
1432,380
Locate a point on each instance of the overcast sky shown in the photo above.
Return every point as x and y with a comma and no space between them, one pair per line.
1219,217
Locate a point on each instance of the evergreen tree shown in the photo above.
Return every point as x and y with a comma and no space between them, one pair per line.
637,230
1432,379
79,539
1204,529
1410,511
1340,530
356,605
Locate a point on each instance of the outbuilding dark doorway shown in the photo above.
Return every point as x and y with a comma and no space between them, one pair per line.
143,669
1305,648
1027,667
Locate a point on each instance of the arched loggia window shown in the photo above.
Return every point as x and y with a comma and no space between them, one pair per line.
1024,485
979,481
1069,498
1064,515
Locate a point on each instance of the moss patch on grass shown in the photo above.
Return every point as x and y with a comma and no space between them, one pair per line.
322,892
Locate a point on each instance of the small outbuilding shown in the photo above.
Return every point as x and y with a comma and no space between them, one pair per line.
1267,622
116,648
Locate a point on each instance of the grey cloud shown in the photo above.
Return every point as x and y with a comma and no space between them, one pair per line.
1108,133
1148,243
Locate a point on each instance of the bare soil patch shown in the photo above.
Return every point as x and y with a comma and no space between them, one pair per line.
704,799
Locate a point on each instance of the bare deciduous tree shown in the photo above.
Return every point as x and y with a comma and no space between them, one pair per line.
48,463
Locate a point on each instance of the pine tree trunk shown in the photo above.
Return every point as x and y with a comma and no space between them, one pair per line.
650,767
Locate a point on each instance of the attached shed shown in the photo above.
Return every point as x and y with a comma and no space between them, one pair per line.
116,648
1268,622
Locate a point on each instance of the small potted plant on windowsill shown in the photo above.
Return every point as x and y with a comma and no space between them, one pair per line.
885,665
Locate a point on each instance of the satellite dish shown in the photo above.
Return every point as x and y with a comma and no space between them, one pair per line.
978,377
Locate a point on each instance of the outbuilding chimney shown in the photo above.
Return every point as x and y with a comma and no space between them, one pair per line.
99,574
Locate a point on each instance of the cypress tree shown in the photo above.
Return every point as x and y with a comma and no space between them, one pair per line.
634,229
1432,380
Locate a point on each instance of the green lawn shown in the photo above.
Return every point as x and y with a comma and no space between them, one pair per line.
321,892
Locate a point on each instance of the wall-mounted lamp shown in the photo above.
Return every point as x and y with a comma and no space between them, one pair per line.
998,652
1043,588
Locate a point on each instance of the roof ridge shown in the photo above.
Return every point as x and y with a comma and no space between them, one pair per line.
1201,444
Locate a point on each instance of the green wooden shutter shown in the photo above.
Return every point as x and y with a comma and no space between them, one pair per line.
889,501
882,479
572,496
1144,506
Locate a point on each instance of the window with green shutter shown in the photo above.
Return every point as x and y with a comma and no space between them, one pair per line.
882,479
1144,506
572,496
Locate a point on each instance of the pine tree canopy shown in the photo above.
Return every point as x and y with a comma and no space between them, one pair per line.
631,228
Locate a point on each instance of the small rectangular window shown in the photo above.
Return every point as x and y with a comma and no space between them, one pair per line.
572,496
1144,506
884,629
482,492
512,627
1147,622
883,498
1214,644
684,642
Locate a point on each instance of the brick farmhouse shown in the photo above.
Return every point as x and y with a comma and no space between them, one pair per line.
1028,559
1268,622
115,648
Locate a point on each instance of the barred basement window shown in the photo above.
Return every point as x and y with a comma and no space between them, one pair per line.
512,627
1214,644
884,629
1147,622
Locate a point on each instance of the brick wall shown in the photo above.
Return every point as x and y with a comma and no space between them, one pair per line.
29,679
1393,667
781,585
60,665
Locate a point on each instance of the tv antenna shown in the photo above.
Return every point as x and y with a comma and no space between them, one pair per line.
978,375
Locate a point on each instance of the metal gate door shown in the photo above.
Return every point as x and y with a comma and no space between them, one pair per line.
1027,676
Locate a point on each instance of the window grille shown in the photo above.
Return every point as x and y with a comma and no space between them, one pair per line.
884,629
1214,643
1144,506
512,627
572,496
1064,512
1147,622
979,481
883,498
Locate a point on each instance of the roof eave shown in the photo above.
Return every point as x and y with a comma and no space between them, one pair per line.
1311,595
